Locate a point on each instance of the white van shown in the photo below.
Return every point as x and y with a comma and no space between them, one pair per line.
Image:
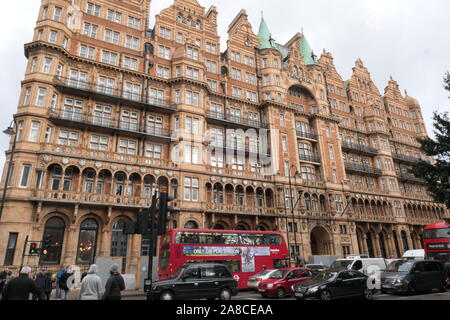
414,254
361,265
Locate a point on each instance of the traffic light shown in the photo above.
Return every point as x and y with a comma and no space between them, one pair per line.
143,222
129,227
47,242
164,210
34,248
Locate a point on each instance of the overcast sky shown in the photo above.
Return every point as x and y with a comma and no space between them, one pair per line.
405,39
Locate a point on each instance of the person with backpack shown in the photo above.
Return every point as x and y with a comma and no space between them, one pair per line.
91,285
63,284
114,285
57,280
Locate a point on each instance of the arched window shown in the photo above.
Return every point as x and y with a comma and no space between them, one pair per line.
240,227
56,176
191,225
119,241
88,177
405,241
240,196
261,228
68,179
174,187
87,242
55,227
198,25
315,203
218,193
308,202
180,18
120,184
218,226
149,182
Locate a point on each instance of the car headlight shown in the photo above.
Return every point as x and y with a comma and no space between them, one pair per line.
398,281
313,289
270,286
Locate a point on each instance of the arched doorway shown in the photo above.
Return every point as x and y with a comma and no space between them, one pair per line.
320,242
382,245
119,242
370,245
55,227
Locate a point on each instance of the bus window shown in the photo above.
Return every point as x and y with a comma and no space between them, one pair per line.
274,239
164,258
247,239
230,238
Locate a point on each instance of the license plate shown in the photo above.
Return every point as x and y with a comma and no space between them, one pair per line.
262,290
300,295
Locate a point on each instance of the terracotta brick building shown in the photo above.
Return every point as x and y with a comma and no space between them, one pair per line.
112,109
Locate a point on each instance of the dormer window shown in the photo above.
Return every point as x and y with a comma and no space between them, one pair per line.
180,18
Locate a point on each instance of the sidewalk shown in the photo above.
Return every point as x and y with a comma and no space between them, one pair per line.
73,294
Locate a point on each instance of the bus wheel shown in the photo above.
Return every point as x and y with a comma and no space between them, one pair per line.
167,295
225,294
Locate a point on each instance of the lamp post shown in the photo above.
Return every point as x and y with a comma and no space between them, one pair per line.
9,131
293,206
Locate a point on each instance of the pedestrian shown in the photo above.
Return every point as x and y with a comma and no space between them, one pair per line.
63,284
58,289
91,285
9,276
41,285
20,288
3,276
114,285
48,286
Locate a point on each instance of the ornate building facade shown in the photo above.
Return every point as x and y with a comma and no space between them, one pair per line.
258,136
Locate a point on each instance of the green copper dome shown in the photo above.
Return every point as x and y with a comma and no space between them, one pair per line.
306,52
264,36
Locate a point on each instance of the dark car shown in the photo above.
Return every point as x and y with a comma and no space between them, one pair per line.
197,281
409,276
317,268
280,283
334,285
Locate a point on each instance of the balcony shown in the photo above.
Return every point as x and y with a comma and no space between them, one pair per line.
238,209
112,95
106,124
238,122
362,169
406,159
307,135
359,149
309,158
240,147
409,177
91,199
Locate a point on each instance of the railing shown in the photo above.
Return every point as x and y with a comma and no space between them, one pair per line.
372,218
313,184
362,168
407,159
238,209
110,92
106,122
92,198
358,147
409,177
309,158
244,121
307,135
95,155
359,188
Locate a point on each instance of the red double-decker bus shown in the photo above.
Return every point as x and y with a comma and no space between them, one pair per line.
436,239
243,252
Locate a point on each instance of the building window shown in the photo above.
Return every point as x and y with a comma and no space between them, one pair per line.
109,57
25,177
34,131
191,189
129,63
192,98
55,227
93,9
40,98
19,130
114,16
47,65
119,240
90,30
165,33
192,53
132,43
87,52
87,242
127,146
134,23
26,98
53,36
112,36
132,91
68,138
164,52
11,249
99,143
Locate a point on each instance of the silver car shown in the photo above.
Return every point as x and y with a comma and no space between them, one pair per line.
253,281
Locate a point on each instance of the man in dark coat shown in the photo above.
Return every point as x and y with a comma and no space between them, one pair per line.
3,276
20,288
41,285
63,285
114,285
48,286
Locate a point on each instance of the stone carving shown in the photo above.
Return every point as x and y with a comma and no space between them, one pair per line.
82,162
47,158
65,161
129,169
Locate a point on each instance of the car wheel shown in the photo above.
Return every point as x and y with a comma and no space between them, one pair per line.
368,294
280,293
225,294
167,295
325,295
412,289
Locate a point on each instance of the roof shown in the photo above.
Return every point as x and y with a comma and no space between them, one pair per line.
307,52
264,35
440,225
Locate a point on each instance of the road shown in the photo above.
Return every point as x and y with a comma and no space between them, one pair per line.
253,296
